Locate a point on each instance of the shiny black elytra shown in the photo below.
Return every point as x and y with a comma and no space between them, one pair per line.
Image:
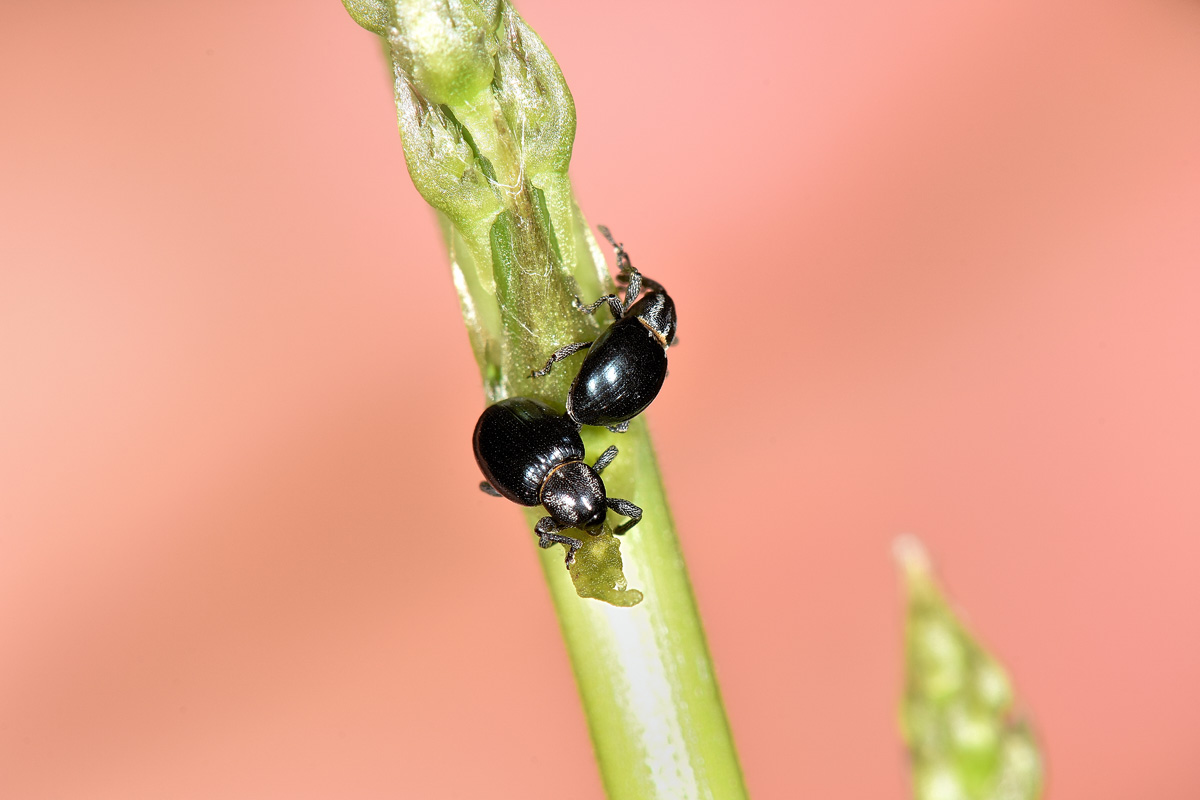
534,456
626,366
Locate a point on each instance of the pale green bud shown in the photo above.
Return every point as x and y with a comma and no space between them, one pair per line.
534,97
440,161
937,782
371,14
491,12
935,647
446,48
972,732
1020,768
992,687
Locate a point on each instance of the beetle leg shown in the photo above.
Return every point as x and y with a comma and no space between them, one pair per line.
605,459
559,355
620,427
487,488
633,287
625,509
614,305
548,536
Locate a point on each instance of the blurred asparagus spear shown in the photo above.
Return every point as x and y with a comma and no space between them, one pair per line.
957,716
487,124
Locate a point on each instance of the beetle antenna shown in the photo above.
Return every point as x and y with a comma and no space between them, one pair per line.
623,262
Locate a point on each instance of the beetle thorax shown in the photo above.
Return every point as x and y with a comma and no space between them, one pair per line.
574,495
656,311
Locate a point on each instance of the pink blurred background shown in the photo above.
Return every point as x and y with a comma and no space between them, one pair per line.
938,267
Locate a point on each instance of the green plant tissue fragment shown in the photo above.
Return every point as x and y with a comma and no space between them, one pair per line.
597,571
957,716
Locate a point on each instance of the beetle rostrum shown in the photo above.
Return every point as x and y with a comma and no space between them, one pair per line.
626,365
533,455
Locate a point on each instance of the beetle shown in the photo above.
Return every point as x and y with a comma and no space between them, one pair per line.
533,455
626,365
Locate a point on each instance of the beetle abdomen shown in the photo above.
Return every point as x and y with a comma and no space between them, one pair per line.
622,374
518,441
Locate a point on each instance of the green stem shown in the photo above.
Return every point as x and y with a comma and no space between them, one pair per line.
487,124
644,673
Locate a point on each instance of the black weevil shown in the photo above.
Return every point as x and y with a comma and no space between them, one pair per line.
534,456
626,366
